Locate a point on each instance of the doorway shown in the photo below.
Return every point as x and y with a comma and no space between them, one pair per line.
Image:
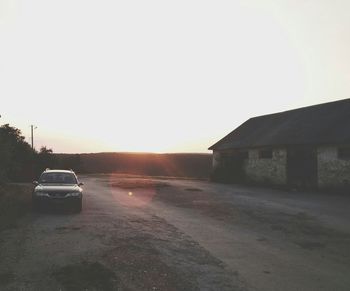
235,167
302,167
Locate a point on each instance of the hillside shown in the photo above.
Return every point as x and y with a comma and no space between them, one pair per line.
176,165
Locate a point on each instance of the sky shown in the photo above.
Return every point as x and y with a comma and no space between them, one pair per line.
164,76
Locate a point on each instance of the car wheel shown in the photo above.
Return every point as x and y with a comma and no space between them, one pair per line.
35,206
79,205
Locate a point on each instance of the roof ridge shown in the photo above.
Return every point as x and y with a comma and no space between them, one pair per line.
301,108
322,123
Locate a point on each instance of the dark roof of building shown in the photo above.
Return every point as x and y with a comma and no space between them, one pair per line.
327,123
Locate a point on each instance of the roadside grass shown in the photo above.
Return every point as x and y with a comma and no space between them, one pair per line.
6,278
15,201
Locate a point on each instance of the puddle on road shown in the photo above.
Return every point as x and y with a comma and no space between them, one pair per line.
194,189
67,228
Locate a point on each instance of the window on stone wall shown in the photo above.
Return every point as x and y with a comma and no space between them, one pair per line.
344,153
265,154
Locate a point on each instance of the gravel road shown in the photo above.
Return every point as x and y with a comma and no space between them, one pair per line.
166,234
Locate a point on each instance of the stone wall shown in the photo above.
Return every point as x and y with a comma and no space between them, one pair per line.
267,170
332,171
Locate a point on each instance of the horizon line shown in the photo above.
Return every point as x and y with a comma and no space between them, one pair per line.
133,152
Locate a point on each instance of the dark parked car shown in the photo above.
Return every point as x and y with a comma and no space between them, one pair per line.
57,187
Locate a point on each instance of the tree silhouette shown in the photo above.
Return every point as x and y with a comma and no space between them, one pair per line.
16,155
45,159
18,161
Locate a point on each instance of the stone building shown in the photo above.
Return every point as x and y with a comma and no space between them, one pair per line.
307,147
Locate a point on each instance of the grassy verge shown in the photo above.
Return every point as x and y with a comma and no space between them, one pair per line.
15,201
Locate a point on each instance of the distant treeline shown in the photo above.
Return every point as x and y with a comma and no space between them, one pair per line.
176,165
19,162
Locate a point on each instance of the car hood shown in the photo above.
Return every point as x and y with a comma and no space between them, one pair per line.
58,188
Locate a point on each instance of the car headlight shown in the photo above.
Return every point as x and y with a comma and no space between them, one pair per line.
73,194
41,194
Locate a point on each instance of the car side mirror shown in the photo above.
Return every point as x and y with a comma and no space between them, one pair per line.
36,183
80,184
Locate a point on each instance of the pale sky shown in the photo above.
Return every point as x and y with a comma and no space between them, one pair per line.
164,76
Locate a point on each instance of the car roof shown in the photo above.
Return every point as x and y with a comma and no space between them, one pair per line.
58,171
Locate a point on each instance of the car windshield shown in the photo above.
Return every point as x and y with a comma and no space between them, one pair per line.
57,178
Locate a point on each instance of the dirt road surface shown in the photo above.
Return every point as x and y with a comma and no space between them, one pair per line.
142,234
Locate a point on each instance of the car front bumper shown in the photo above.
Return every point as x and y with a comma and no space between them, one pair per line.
45,201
